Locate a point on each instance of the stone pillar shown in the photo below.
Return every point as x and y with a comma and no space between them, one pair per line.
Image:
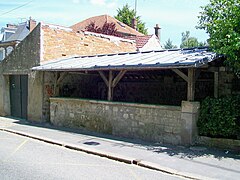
35,96
6,96
189,117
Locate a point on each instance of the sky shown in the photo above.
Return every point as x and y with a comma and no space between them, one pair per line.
173,16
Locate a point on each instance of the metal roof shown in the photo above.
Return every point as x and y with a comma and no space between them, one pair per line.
164,59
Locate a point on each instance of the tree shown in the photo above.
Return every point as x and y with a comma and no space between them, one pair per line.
221,20
202,44
187,41
126,15
108,29
169,44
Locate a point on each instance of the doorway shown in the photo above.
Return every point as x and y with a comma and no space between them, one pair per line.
19,95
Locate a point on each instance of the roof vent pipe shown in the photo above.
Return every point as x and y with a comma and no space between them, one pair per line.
31,24
157,31
134,23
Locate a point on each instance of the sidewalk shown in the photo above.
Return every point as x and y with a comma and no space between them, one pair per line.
192,162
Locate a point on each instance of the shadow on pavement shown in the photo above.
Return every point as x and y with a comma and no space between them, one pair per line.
171,150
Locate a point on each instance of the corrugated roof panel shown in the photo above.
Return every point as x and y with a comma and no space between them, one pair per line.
156,59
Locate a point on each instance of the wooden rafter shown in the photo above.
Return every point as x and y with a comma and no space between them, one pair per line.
58,79
111,82
191,81
181,74
118,77
103,77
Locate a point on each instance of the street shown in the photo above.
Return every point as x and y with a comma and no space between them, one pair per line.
25,158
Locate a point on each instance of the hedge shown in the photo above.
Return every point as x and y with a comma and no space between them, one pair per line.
220,117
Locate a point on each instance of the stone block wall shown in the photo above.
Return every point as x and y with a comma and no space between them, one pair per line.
228,82
72,85
165,124
225,83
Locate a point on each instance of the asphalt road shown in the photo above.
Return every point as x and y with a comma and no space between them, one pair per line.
25,158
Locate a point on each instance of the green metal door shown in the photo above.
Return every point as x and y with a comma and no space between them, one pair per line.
19,95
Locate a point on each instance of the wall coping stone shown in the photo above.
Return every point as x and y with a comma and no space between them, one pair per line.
190,107
164,107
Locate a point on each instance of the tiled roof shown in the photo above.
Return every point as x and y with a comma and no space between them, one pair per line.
61,41
140,40
100,20
164,59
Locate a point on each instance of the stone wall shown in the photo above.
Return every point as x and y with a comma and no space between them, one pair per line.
146,122
1,93
25,56
71,85
228,82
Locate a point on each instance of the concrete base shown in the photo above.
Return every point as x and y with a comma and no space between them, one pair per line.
189,117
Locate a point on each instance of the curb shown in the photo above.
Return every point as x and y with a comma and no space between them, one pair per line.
117,157
71,146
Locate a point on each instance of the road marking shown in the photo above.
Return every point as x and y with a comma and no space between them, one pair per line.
17,149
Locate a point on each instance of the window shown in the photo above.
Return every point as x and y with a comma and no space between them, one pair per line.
2,54
7,35
9,50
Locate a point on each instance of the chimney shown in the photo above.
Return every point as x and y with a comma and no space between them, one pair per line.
31,24
134,23
157,31
11,26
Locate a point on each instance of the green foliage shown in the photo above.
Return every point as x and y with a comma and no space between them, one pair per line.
126,15
221,20
169,45
188,42
220,117
107,28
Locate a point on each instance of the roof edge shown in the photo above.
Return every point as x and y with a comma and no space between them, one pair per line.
55,26
111,38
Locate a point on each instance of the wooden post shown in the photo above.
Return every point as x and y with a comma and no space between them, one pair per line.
110,88
58,79
216,82
56,85
191,84
111,82
190,79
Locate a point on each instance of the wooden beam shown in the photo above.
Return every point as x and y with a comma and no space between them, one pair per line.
191,84
103,77
56,87
216,83
61,77
118,78
58,77
181,74
110,88
111,82
213,69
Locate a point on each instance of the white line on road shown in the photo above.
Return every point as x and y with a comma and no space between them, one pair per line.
18,147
